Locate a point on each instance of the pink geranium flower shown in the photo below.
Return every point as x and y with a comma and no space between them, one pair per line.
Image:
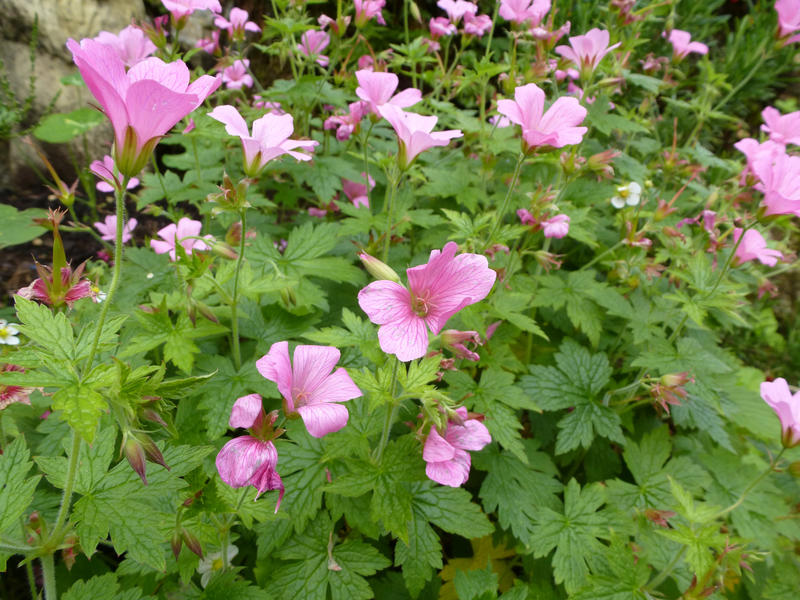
251,459
237,75
783,129
132,45
788,19
522,11
237,24
312,43
358,193
269,140
456,9
377,88
558,127
447,459
415,132
142,104
368,9
441,27
108,181
753,150
477,25
9,394
436,291
308,387
210,45
184,233
754,247
108,229
183,8
346,124
587,50
682,44
71,287
556,227
779,180
778,395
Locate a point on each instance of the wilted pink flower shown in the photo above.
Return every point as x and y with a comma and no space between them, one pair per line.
105,171
447,459
308,387
477,25
436,291
522,11
778,395
557,127
682,44
71,287
312,43
754,247
441,27
456,9
9,394
455,341
142,104
132,45
783,129
415,132
210,45
788,19
357,193
108,230
377,89
556,227
270,138
183,8
346,124
184,233
237,24
237,75
251,459
526,218
367,9
587,50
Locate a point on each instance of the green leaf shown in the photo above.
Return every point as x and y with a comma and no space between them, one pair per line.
18,226
479,584
60,128
52,332
580,426
81,407
101,587
618,575
16,488
421,557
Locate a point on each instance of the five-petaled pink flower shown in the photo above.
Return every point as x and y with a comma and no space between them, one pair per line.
477,25
377,88
447,459
778,395
108,229
415,132
185,233
183,8
436,291
308,387
108,181
782,129
556,227
312,43
367,9
346,124
251,459
237,24
270,138
358,193
587,50
131,44
558,127
522,11
788,19
142,104
441,27
682,44
754,247
779,180
456,9
237,75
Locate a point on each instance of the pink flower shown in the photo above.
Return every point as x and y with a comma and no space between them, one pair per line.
682,46
526,218
557,127
754,247
376,89
779,181
237,75
183,8
72,287
132,45
367,9
556,227
520,11
477,25
436,291
783,129
456,9
184,233
788,19
365,61
309,388
447,457
415,132
251,459
787,406
270,138
237,25
455,340
587,50
108,230
312,43
753,150
357,193
346,124
210,45
9,394
142,104
105,171
441,27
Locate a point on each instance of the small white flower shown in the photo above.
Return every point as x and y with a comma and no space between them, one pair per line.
150,275
629,195
8,333
98,296
213,563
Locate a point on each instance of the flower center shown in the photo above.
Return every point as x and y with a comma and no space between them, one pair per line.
300,397
4,333
421,305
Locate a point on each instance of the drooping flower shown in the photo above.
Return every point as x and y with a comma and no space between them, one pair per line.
630,195
251,459
377,88
312,43
558,127
131,44
782,129
68,289
436,291
368,9
556,227
185,234
447,459
754,247
356,192
441,27
308,387
346,124
142,104
269,140
477,25
682,44
183,8
587,50
455,341
778,395
9,394
8,333
105,171
524,11
237,25
415,132
788,19
237,75
456,9
210,44
108,230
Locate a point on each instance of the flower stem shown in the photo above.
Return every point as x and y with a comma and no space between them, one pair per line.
750,487
237,355
49,576
391,413
394,180
659,579
499,218
69,483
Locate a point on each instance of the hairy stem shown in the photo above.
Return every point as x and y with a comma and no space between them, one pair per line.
69,483
751,486
391,413
504,207
237,355
394,180
49,576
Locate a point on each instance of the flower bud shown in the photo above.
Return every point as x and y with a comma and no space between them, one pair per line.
135,455
192,543
175,543
378,269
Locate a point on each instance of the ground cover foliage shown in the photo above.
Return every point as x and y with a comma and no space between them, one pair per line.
540,348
